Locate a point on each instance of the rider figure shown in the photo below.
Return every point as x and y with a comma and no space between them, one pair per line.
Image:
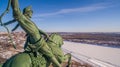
35,37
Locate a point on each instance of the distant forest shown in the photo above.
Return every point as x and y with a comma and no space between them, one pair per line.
102,39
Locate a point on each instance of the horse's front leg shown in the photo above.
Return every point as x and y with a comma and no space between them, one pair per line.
68,56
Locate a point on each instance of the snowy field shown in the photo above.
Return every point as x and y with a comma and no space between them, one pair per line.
103,56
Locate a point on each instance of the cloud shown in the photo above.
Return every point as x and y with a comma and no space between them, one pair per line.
90,8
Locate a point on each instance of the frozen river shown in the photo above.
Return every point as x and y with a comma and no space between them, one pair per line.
105,54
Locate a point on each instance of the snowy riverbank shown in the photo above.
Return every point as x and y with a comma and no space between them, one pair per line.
104,54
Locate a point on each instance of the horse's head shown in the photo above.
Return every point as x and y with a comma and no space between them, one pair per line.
56,38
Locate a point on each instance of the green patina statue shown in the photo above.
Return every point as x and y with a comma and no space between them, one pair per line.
40,49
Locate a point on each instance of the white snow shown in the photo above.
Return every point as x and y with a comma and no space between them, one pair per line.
94,53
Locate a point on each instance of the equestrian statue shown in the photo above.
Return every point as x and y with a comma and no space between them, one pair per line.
40,49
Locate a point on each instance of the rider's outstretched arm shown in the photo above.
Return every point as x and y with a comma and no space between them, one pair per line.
15,7
28,26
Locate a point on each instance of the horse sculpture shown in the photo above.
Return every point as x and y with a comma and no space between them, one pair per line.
26,59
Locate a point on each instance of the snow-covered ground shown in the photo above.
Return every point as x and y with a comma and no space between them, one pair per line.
96,54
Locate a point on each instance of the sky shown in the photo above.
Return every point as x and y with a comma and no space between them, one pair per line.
70,15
